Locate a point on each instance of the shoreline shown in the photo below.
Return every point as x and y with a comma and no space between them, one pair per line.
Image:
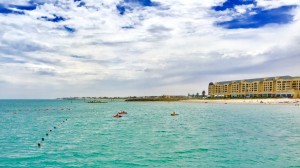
282,101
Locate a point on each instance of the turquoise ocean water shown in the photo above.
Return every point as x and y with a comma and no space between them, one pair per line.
202,135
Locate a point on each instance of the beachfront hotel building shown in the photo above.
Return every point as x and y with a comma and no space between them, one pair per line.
272,87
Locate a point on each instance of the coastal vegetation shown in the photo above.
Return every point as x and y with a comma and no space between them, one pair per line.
96,101
131,98
158,98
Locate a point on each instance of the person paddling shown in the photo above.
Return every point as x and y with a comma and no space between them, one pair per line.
174,113
117,116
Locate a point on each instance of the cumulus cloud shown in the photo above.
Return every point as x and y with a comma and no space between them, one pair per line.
269,4
88,48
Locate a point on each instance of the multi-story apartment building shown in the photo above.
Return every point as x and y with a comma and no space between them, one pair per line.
281,86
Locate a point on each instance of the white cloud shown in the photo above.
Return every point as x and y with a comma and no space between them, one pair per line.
270,4
174,48
242,9
16,2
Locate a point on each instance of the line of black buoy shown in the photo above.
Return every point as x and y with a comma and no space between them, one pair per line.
40,109
39,144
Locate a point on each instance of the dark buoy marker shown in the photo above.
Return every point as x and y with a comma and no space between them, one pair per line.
47,134
39,144
43,139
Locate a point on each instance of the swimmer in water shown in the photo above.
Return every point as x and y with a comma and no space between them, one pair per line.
173,113
43,139
117,116
39,144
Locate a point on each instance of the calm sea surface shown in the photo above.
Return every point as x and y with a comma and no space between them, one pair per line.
202,135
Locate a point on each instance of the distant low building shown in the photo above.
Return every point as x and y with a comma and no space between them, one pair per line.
281,86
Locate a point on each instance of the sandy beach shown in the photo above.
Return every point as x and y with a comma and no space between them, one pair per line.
282,101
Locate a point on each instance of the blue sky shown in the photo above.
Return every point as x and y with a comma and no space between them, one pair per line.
54,48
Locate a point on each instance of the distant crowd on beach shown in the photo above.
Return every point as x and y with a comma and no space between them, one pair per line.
285,101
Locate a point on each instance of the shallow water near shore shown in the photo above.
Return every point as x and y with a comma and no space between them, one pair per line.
202,135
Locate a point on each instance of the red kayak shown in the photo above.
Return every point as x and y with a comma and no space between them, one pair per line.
122,112
117,116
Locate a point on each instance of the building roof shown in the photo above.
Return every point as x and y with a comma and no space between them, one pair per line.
257,79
